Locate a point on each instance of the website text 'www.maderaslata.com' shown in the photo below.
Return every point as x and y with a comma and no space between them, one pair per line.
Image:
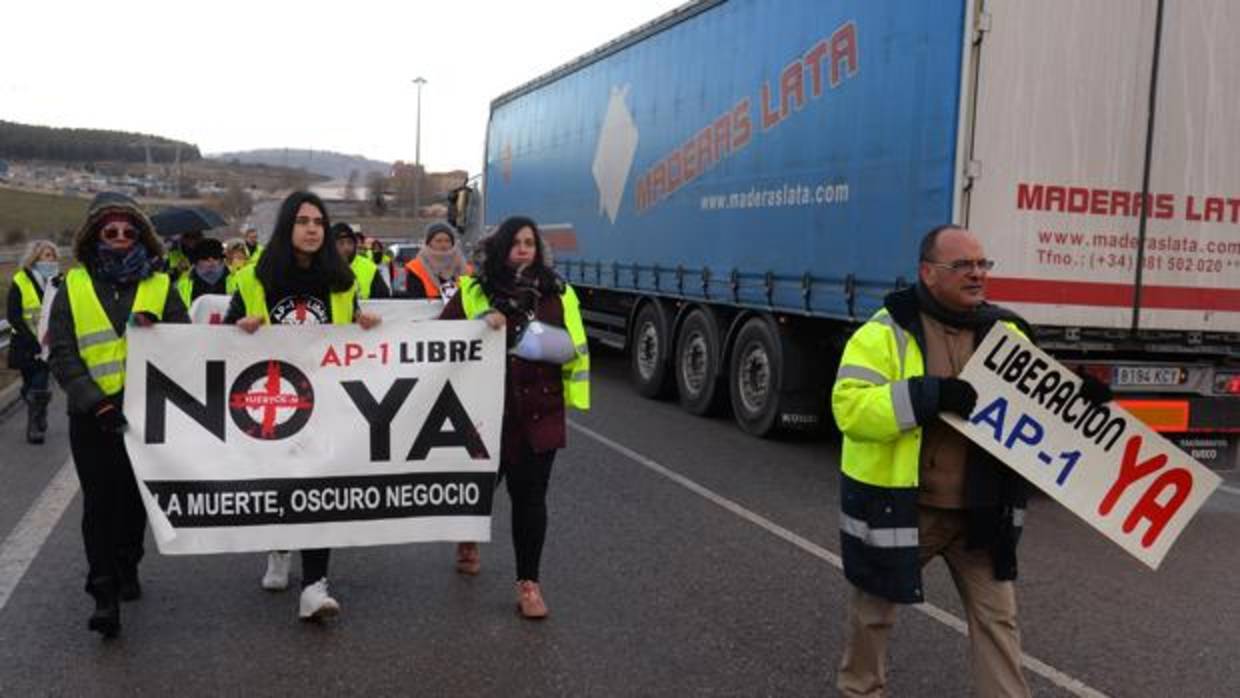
827,194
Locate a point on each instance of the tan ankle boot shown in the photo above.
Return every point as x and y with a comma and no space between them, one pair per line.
530,602
468,558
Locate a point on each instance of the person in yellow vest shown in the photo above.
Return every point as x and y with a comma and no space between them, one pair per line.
378,255
251,241
236,254
300,280
39,272
370,283
113,288
913,488
208,273
548,371
436,271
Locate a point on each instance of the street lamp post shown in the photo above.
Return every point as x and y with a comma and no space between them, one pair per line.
417,152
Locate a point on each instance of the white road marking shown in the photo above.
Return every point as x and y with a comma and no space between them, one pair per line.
27,538
1229,490
1037,666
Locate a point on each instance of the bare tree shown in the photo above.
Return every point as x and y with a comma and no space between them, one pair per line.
234,204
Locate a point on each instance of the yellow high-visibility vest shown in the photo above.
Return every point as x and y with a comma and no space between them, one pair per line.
255,298
100,347
32,305
365,271
575,373
185,286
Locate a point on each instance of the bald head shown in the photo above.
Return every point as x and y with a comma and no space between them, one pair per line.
951,269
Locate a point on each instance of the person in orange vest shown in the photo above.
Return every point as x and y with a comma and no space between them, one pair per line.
436,271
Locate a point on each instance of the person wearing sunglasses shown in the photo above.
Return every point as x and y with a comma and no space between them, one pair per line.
301,279
114,287
914,488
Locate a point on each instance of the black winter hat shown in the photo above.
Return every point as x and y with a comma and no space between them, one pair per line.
206,249
342,230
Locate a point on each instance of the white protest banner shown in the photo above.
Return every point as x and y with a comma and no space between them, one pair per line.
397,310
209,309
1103,464
307,437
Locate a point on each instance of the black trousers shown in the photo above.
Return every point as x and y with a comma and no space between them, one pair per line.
34,377
314,565
113,518
528,478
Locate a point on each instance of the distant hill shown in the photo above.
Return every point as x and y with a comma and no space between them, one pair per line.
26,142
324,162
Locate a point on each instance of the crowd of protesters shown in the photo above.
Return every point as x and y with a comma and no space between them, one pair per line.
123,279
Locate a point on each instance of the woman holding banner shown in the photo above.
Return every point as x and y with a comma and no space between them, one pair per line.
548,368
299,280
115,286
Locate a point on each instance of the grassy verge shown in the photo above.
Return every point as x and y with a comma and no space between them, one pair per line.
40,215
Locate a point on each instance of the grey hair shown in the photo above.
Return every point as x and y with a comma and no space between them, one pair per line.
34,249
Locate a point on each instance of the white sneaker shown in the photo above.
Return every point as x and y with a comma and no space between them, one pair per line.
276,578
316,604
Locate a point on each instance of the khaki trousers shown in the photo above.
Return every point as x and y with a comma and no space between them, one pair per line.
994,639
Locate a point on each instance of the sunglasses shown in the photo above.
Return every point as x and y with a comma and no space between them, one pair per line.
962,265
115,232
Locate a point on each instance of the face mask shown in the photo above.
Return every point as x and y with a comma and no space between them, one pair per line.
210,274
47,269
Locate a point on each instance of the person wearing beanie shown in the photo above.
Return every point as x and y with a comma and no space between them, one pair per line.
437,270
207,273
370,283
114,290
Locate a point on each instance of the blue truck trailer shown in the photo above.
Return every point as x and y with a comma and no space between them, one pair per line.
733,186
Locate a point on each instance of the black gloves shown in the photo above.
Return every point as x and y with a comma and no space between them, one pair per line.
1095,391
957,396
109,417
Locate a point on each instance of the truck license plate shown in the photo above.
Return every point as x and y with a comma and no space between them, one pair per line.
1145,375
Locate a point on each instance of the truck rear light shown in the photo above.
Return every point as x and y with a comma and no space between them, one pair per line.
1227,383
1159,415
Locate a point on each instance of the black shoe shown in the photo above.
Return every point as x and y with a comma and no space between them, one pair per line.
106,620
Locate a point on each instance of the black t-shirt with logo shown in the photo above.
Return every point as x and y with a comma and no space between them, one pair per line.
301,299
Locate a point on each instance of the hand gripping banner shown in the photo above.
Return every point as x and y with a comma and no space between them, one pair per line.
311,437
1106,466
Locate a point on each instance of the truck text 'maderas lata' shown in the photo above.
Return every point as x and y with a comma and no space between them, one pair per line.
735,185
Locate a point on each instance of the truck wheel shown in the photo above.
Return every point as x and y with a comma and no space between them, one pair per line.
648,355
754,377
697,364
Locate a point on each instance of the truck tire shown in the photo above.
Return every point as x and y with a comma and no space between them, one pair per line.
754,377
698,355
649,353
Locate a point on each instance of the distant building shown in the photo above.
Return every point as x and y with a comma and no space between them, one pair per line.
4,169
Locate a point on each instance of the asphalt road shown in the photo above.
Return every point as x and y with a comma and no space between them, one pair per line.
684,558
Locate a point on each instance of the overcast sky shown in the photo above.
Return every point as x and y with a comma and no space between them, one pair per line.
229,75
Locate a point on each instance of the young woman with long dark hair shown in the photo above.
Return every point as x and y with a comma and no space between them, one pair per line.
517,289
301,279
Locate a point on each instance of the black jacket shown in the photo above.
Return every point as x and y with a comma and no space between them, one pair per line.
993,491
66,363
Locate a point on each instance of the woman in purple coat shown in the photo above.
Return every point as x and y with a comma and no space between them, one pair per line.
517,287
